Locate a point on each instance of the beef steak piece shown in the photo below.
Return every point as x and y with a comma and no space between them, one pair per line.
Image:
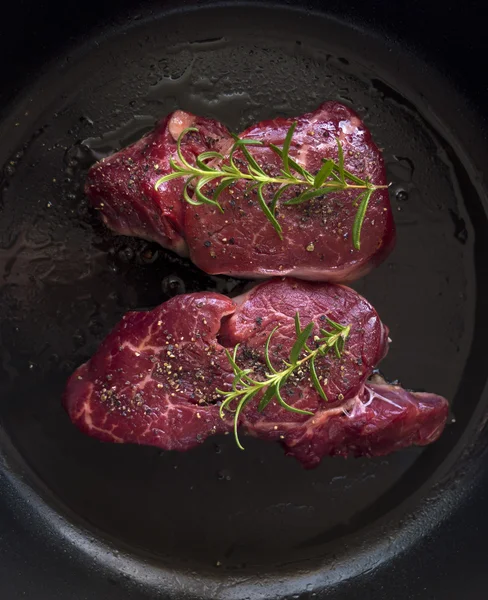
377,421
154,378
317,239
317,235
122,186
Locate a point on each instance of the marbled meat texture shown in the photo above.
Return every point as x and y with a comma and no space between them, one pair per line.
154,378
317,235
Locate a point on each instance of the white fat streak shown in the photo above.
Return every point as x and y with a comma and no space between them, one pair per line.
373,395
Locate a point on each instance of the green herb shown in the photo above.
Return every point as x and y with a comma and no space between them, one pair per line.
245,387
213,166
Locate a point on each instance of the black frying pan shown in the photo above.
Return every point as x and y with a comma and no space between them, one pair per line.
80,519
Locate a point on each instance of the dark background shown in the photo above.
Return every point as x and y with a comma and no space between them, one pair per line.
451,563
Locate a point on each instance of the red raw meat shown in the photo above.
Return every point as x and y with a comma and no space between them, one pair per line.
122,188
317,241
379,420
154,378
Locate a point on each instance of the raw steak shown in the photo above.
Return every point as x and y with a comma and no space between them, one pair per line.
121,186
154,378
317,240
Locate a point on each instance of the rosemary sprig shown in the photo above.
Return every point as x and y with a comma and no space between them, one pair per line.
245,387
213,166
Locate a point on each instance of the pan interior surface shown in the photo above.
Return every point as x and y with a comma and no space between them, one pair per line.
66,281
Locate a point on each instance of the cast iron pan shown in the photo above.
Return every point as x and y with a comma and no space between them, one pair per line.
81,519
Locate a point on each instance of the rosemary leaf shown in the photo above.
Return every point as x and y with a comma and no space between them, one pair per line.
359,219
269,215
232,167
257,174
277,196
187,196
225,182
268,395
202,197
315,380
266,351
169,177
201,158
298,327
210,154
278,152
353,178
324,173
181,158
248,142
176,166
232,360
282,403
225,403
335,325
253,165
308,177
286,148
231,171
309,195
300,343
239,408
